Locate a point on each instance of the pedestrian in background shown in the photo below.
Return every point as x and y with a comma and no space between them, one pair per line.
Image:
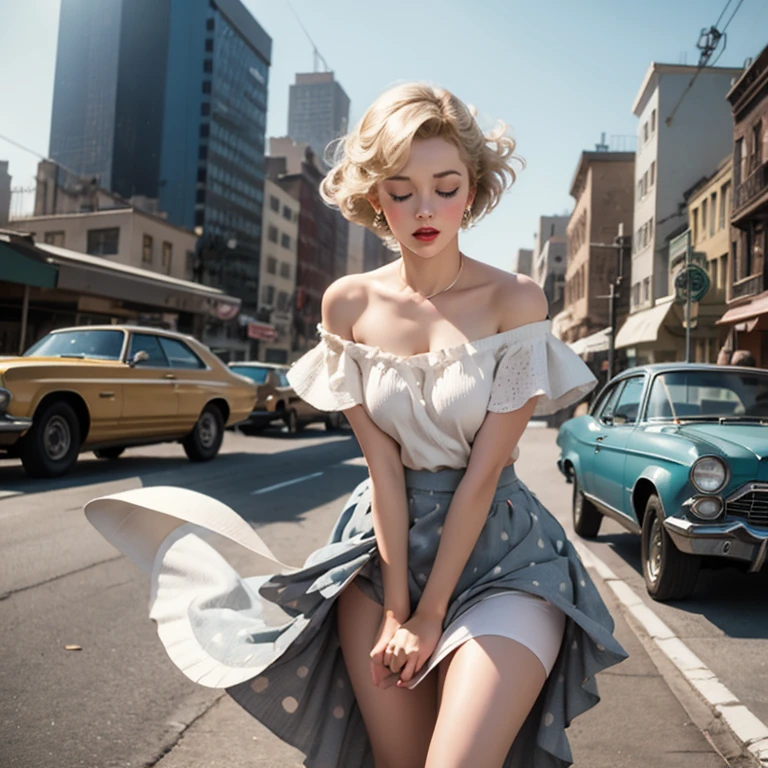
448,622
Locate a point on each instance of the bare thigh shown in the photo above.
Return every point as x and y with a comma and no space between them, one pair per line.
487,687
399,721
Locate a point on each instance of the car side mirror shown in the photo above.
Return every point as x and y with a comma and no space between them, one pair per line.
140,357
607,420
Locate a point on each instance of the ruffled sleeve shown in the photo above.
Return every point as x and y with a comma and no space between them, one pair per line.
540,365
328,376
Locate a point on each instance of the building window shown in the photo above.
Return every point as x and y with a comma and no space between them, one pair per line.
285,240
271,265
285,269
653,121
205,108
712,209
206,86
269,295
202,153
640,189
646,290
714,277
636,294
146,249
272,234
167,256
704,218
645,132
723,271
200,196
282,301
725,192
209,23
274,203
209,44
757,144
103,242
205,130
208,65
653,173
287,213
202,175
54,238
695,225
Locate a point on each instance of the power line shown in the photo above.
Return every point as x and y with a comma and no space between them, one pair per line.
717,23
21,146
732,15
77,174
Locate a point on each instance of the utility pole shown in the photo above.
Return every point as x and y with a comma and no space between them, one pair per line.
620,242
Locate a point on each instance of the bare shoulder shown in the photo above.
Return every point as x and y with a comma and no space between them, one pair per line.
518,300
343,302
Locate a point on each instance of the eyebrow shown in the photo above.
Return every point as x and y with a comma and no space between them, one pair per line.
440,175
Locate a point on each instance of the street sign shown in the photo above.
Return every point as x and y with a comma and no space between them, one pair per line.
697,278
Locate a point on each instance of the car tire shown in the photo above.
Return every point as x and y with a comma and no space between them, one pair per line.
110,453
204,441
669,573
586,516
333,422
291,420
52,445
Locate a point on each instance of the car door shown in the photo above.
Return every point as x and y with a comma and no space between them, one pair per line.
583,437
616,427
195,385
149,396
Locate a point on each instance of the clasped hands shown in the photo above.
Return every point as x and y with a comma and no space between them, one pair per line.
401,649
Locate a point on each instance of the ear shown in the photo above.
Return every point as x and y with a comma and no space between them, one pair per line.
373,199
471,198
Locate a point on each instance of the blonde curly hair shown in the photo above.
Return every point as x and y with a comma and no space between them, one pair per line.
379,145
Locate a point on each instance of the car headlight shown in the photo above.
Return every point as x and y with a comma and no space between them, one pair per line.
5,398
709,474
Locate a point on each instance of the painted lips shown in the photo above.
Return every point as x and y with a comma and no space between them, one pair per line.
426,235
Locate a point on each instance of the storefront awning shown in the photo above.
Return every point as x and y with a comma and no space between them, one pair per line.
16,267
595,342
758,306
643,327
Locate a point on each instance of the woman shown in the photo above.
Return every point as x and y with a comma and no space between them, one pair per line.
448,622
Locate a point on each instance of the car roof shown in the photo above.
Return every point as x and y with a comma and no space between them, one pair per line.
655,368
127,329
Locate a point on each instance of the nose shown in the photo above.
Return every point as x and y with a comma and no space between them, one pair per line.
424,211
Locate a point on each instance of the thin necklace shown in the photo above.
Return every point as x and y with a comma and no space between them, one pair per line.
442,290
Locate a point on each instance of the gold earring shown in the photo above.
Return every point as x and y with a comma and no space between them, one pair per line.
379,222
466,218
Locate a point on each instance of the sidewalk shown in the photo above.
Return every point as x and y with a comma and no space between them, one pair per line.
638,724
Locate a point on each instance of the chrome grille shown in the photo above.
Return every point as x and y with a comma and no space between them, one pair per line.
750,504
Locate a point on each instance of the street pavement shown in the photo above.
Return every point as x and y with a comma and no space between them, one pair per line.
120,702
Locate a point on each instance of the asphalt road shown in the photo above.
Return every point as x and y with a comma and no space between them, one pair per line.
119,701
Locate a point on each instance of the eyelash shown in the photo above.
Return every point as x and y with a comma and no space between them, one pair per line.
403,198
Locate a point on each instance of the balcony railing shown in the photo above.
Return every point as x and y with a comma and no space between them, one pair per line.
752,187
747,286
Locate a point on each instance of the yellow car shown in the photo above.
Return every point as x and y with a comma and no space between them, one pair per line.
103,388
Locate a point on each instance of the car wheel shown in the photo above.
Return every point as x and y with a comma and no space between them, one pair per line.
110,453
586,516
51,446
291,420
669,573
204,441
333,422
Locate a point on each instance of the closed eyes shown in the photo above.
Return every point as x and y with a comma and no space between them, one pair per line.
402,198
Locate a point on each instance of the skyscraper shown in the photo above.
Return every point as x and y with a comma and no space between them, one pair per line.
167,100
318,110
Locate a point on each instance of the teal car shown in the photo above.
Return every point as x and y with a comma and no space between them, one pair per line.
678,454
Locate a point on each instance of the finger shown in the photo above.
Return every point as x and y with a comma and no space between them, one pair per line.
398,660
388,682
409,669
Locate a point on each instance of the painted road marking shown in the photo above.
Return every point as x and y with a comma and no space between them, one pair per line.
748,729
286,483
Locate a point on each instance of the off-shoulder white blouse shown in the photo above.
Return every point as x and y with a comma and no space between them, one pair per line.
434,403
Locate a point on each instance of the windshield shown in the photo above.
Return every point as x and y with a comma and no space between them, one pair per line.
99,345
709,395
254,373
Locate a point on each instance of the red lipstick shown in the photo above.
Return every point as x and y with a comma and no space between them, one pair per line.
426,234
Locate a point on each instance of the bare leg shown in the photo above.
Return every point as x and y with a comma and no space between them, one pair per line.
399,722
489,685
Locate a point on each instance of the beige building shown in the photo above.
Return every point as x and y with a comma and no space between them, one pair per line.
277,276
125,236
602,188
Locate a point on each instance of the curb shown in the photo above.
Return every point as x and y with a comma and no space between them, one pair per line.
749,730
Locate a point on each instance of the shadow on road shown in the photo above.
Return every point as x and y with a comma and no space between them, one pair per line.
727,597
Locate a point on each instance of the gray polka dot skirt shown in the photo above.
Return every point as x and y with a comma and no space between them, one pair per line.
272,640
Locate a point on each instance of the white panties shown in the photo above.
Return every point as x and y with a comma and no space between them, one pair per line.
527,619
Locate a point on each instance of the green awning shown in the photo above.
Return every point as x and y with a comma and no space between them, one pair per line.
15,267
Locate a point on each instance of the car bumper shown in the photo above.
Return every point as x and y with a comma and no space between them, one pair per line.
261,417
563,470
733,539
12,424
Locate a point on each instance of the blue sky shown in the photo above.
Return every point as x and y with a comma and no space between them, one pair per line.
558,72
